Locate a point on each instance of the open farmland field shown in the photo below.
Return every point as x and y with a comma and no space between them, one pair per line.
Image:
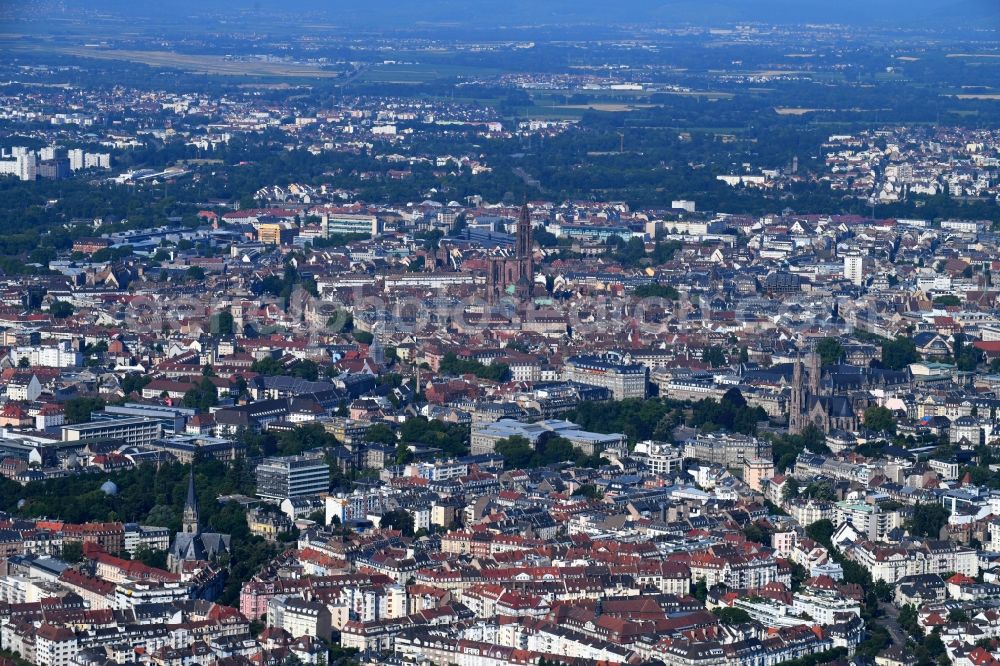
203,64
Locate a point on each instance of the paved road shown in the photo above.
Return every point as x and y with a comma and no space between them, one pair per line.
526,177
890,620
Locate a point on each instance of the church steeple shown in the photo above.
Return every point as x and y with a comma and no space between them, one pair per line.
525,260
796,404
524,240
815,373
190,519
506,274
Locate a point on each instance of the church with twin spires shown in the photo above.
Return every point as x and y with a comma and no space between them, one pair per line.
812,405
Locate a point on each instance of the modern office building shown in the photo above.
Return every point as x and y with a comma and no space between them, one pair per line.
277,233
868,519
80,159
173,419
60,355
367,225
855,268
21,162
135,432
292,476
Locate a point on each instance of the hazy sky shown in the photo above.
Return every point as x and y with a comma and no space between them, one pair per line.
482,13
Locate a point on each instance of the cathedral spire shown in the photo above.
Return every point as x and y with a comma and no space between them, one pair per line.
190,519
815,373
524,240
796,404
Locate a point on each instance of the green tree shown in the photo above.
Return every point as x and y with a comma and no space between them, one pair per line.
732,615
452,365
151,558
666,291
160,516
909,622
398,519
452,438
884,591
223,323
268,366
305,369
790,489
877,639
957,615
754,532
61,309
638,419
799,575
927,520
589,491
967,357
403,454
821,490
134,381
880,419
342,321
629,253
931,650
713,356
517,452
947,300
821,532
731,413
786,448
830,350
700,590
72,551
899,353
203,397
77,410
380,433
306,437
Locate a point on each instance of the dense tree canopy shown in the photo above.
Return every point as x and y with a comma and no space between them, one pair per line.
452,365
927,520
830,350
786,448
732,615
731,413
880,419
452,438
637,419
899,353
519,453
